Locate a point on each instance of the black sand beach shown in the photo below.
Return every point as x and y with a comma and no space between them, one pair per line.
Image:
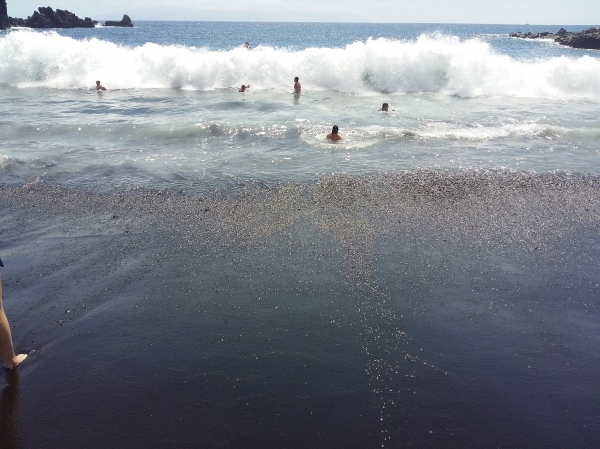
430,309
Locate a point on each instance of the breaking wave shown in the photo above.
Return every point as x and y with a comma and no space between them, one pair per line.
437,63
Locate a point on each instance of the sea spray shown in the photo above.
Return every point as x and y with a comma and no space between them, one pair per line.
434,63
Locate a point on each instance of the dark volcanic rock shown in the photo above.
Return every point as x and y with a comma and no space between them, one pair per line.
39,20
586,39
48,18
16,22
125,22
4,22
529,35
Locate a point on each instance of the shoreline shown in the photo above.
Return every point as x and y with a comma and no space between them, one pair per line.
203,269
274,314
586,39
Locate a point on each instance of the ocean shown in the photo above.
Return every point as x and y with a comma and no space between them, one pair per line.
192,266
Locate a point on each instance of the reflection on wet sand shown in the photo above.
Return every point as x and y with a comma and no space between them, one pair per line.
9,404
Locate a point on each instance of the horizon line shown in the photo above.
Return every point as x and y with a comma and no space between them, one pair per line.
369,23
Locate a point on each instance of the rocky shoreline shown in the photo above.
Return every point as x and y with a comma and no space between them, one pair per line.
4,22
586,39
46,17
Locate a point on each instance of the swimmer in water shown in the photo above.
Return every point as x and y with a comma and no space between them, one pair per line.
7,352
99,86
297,86
334,134
247,45
243,88
385,107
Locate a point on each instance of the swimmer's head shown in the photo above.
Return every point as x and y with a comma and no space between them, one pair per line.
335,129
296,79
385,107
97,83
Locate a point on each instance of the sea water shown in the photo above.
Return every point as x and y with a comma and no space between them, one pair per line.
460,96
200,267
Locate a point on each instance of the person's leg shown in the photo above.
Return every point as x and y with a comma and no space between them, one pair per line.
6,346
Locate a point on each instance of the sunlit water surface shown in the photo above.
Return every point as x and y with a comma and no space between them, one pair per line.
197,267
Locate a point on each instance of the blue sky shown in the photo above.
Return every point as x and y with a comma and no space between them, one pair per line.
545,12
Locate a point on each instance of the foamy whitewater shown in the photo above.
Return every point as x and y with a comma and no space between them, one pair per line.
462,97
199,267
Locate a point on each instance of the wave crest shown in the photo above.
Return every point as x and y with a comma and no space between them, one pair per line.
433,63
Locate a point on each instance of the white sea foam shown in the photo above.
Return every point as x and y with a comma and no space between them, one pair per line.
433,63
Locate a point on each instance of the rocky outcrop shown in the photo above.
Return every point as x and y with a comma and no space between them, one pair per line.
16,22
4,22
48,18
125,22
586,39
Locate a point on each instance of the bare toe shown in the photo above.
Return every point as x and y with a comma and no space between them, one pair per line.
16,360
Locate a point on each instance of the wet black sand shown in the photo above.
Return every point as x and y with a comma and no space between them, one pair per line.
410,310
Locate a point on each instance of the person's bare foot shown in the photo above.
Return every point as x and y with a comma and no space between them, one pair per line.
16,360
